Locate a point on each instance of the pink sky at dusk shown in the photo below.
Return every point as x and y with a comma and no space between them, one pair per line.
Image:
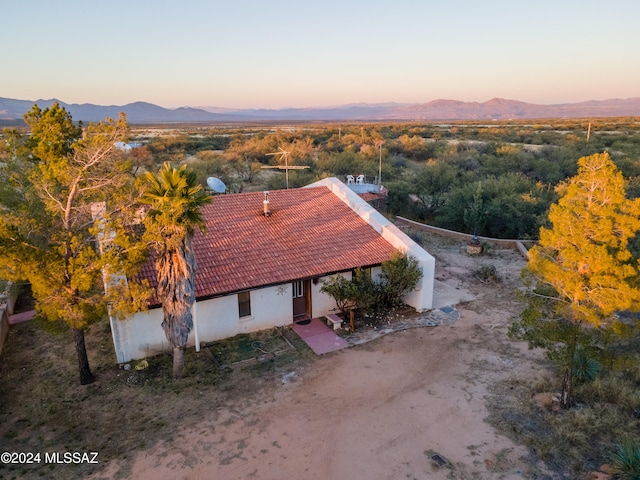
253,54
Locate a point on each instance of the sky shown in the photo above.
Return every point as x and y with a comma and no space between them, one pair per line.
308,53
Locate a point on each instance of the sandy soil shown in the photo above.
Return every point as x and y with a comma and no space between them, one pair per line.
377,411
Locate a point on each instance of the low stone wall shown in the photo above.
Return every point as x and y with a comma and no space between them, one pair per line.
520,245
4,325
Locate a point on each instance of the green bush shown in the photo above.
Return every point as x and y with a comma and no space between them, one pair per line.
399,275
343,291
626,460
585,368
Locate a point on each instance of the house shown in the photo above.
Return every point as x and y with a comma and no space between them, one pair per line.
256,270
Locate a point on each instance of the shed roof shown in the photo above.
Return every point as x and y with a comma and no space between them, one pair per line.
309,233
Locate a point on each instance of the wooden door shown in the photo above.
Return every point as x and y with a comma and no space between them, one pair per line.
301,298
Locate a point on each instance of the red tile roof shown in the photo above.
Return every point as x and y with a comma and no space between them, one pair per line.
310,233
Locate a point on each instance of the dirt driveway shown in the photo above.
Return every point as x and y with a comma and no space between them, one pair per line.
378,411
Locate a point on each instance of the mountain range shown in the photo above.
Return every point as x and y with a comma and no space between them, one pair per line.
12,111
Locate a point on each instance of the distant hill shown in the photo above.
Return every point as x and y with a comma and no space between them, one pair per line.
137,113
496,108
11,111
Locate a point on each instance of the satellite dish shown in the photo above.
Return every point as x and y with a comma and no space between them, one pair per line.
216,185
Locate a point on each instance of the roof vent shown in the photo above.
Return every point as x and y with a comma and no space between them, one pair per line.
265,205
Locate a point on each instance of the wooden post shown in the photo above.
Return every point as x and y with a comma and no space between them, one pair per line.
352,320
565,397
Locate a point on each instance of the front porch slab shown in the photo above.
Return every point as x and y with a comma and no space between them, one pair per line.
320,338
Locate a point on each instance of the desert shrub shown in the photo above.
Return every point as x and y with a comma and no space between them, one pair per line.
509,206
626,460
612,388
417,236
358,293
487,248
585,368
487,273
399,276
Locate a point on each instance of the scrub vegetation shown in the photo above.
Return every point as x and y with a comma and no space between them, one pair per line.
493,179
497,179
520,180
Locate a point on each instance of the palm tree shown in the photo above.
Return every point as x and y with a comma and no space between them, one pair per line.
175,199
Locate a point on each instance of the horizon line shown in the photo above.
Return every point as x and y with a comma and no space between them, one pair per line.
326,107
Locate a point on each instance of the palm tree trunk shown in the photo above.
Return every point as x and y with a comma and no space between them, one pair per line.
86,377
176,197
176,272
178,362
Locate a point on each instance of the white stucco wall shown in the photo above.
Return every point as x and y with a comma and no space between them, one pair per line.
139,336
422,297
270,307
321,303
375,273
217,318
142,336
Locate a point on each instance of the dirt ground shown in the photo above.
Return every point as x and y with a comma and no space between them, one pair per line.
397,407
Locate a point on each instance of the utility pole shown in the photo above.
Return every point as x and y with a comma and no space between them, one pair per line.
379,143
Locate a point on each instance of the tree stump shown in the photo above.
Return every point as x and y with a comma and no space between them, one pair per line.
474,249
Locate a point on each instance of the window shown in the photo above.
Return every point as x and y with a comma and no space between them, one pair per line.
298,289
244,304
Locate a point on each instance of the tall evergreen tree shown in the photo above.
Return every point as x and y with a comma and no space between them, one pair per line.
51,187
584,256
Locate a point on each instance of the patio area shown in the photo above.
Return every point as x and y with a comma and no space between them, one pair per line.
320,338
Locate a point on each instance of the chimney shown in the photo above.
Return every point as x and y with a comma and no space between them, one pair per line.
265,205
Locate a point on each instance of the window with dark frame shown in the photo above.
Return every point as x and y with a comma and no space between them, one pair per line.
244,304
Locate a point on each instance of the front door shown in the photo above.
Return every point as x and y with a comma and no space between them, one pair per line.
301,298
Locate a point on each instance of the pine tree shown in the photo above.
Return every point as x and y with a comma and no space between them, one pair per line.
584,256
51,187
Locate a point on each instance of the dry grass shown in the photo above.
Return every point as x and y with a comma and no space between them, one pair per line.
44,409
575,441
